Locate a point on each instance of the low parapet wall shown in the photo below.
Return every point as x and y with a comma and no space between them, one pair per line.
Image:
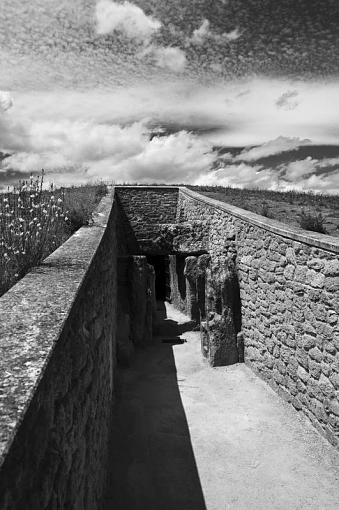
57,372
289,282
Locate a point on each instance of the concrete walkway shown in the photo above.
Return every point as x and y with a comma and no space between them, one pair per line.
189,437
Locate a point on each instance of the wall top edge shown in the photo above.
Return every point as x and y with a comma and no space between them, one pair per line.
129,186
33,314
315,239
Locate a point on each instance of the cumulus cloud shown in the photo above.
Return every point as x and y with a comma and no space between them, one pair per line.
328,162
110,134
126,18
118,153
200,34
233,35
176,158
28,162
298,175
5,101
171,58
298,169
272,147
287,100
320,183
131,20
240,175
204,33
13,134
61,143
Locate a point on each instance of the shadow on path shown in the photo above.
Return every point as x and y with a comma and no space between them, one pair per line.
152,465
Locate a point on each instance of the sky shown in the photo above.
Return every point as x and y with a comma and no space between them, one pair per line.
229,92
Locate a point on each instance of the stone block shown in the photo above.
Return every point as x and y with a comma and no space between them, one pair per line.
331,267
314,369
326,386
316,354
302,358
316,264
222,342
333,406
303,374
331,284
308,342
289,272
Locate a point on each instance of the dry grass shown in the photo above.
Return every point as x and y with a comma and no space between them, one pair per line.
80,202
311,211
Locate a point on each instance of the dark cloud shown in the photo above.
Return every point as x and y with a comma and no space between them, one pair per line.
44,42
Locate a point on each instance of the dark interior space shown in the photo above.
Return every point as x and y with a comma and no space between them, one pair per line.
162,278
180,266
201,289
152,463
236,303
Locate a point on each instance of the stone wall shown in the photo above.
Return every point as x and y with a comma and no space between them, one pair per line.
288,283
136,305
261,290
147,209
57,356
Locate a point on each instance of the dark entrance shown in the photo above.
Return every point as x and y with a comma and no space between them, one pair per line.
162,277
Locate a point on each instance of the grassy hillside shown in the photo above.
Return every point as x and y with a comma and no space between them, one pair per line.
311,211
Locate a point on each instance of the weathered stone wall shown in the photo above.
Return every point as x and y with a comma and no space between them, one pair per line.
268,289
288,284
136,305
57,356
147,209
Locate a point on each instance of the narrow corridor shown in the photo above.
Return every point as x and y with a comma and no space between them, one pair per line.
190,437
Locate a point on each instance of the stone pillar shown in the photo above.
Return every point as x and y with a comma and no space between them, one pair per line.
202,265
191,274
219,333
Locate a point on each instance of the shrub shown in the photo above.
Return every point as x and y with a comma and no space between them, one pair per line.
32,224
265,210
313,222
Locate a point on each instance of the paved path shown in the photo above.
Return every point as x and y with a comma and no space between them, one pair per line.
189,437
